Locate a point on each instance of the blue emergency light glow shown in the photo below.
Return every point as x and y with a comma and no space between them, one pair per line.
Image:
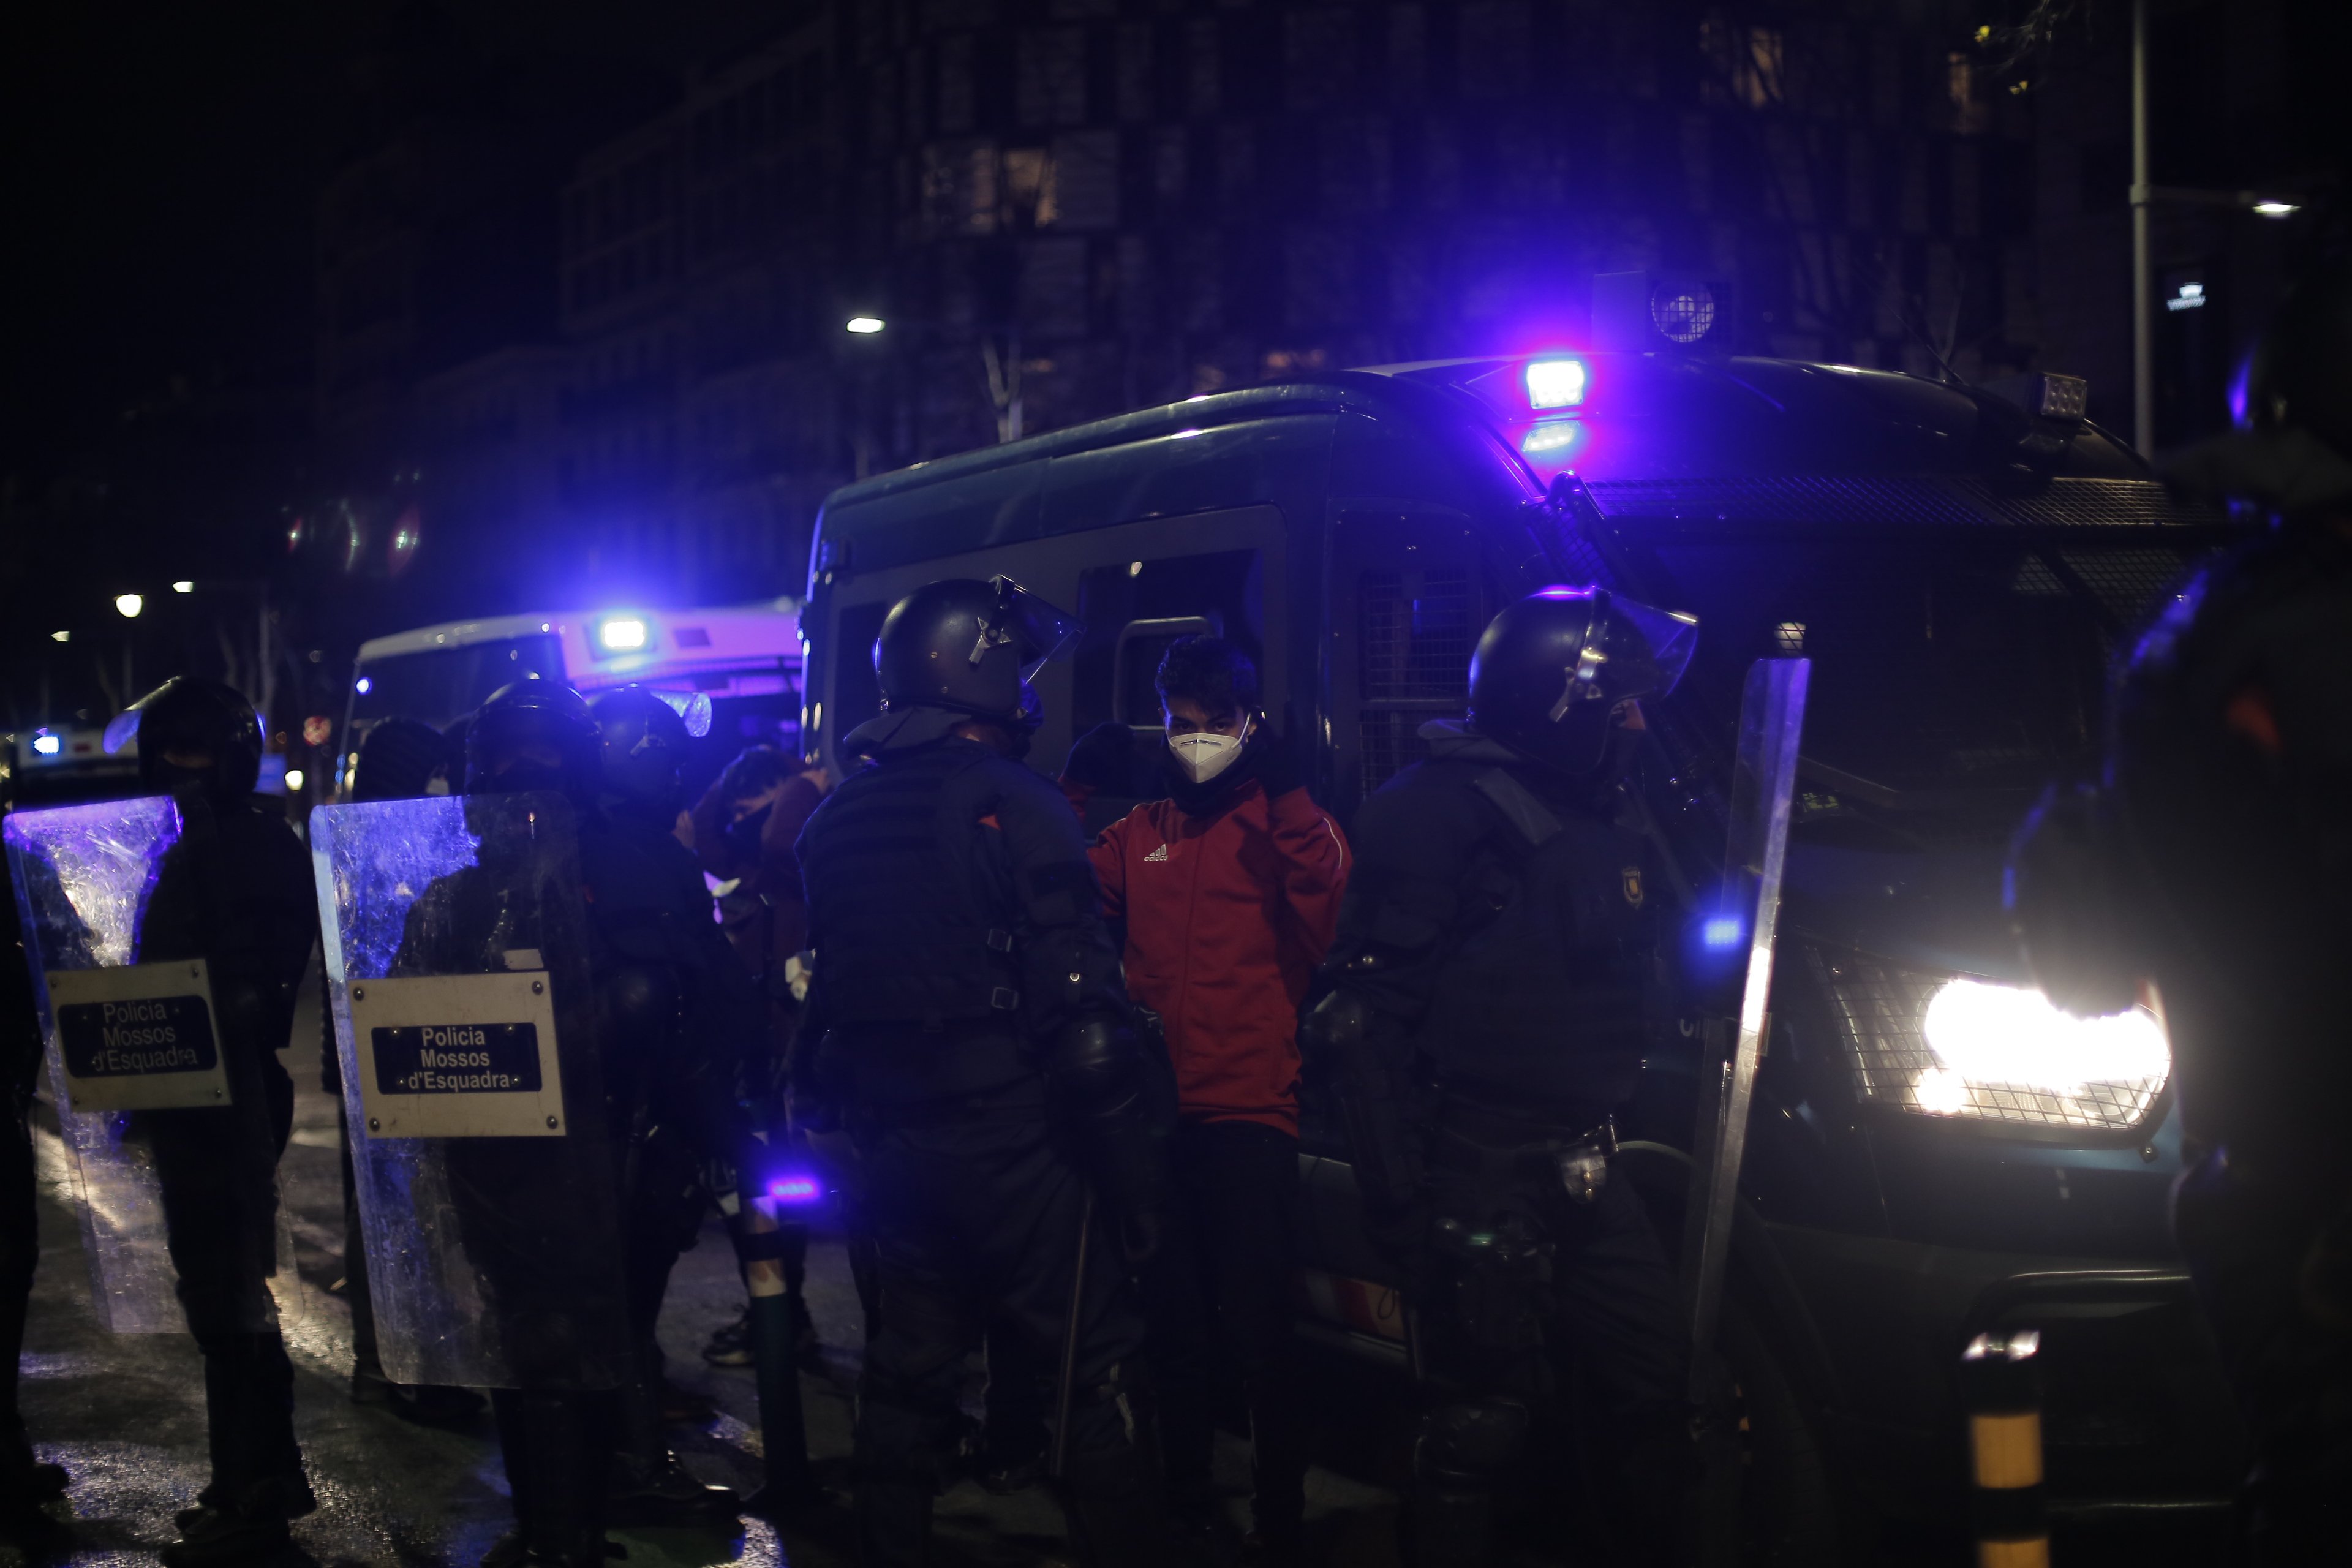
1555,439
622,634
795,1190
1721,932
47,745
363,686
1555,382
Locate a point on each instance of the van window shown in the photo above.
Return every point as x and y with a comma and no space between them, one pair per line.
1410,593
1134,609
857,695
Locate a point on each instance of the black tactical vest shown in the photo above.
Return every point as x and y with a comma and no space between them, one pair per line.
1542,999
910,905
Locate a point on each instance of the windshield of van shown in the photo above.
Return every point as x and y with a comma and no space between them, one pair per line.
1944,661
438,685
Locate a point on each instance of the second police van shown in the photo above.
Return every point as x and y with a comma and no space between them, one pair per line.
1934,1150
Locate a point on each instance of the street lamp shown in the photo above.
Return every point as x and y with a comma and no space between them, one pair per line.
129,605
2144,196
184,586
864,324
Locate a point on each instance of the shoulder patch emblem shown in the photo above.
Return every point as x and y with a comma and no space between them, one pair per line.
1159,854
1631,880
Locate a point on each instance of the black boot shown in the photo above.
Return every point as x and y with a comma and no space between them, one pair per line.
559,1493
784,1436
649,1485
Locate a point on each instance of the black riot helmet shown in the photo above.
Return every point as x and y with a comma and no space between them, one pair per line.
534,734
399,760
1550,672
195,717
645,735
2291,452
970,647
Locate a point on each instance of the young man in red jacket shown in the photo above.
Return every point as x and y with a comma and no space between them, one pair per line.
1230,892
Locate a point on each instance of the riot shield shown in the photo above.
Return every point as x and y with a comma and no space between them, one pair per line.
1733,959
160,1111
457,957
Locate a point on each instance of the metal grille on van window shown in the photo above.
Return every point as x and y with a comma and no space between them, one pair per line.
2131,584
1414,634
1416,647
1880,1009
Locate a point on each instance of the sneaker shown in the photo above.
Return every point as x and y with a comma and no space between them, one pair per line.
731,1342
229,1532
294,1494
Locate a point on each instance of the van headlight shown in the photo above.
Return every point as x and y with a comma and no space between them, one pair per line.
1945,1045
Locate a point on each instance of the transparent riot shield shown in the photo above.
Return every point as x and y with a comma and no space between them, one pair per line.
1733,962
159,1108
456,955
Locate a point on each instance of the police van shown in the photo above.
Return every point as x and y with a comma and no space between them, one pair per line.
1933,1151
745,658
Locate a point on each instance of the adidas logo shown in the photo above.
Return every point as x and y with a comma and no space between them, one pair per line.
1159,854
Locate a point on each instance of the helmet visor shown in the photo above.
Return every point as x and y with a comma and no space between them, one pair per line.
1045,631
1672,637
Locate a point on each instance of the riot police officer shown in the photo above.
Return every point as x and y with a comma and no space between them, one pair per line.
2210,861
235,890
643,923
979,1046
1491,990
686,1130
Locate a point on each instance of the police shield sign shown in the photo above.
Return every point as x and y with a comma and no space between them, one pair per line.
138,1038
124,1035
457,956
470,1055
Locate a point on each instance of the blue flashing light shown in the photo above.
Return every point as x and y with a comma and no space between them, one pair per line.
47,745
621,634
363,686
1556,382
1722,932
795,1190
1555,438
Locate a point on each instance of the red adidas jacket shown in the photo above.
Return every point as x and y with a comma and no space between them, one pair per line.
1227,916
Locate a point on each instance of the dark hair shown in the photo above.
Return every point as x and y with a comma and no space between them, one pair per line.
756,771
1211,671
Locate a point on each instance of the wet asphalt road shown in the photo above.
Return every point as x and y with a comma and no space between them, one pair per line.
125,1414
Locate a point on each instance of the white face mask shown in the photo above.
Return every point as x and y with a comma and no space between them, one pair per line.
1206,755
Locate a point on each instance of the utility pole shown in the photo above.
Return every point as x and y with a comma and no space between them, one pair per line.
2143,278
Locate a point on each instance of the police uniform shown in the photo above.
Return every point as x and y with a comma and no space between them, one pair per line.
1494,981
975,1045
234,891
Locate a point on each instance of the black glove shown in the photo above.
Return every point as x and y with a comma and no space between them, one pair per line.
1103,759
1271,761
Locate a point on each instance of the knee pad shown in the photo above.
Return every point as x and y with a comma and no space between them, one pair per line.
1474,1443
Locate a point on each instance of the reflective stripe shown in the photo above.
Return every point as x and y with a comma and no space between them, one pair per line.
2034,1553
2007,1449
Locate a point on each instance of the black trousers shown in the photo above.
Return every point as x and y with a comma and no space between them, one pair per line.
2272,1263
218,1174
1602,1302
974,1213
1217,1301
20,1253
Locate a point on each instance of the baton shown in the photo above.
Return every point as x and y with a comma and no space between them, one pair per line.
1070,1341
